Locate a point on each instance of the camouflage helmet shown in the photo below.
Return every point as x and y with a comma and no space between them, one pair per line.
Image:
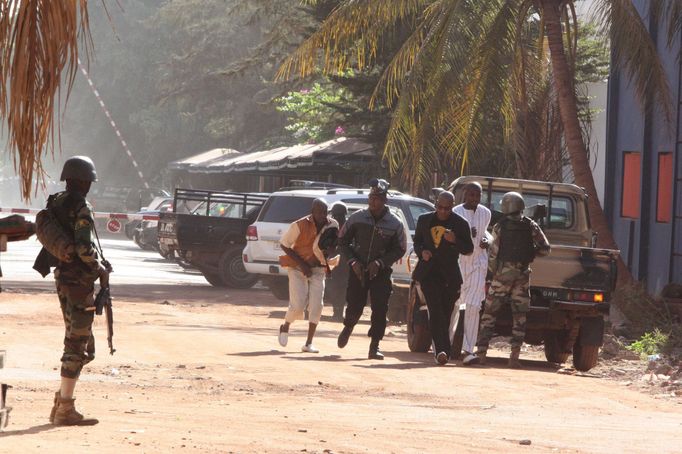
79,168
512,202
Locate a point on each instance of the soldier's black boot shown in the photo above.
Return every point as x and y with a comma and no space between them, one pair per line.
374,352
344,336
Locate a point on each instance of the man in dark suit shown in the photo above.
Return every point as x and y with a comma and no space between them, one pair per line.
441,236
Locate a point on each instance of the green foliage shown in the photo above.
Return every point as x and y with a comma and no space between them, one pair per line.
310,112
650,343
649,318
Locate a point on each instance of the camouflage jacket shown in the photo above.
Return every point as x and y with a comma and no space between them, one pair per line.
75,216
541,245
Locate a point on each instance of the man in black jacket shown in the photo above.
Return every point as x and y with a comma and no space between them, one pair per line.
373,239
441,236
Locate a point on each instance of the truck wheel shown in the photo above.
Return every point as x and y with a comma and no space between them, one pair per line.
166,252
214,279
458,338
418,332
279,287
585,357
232,269
554,350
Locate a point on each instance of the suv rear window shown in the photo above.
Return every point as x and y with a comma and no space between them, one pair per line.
285,210
562,216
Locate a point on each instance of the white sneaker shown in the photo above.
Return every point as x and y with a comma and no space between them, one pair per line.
283,337
470,359
442,358
309,348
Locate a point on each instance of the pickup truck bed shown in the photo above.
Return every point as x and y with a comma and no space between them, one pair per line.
208,230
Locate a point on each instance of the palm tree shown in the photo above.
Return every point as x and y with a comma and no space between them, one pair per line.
466,54
38,43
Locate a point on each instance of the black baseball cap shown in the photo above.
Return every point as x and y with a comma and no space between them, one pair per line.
379,186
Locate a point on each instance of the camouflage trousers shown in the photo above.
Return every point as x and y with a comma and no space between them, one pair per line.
510,285
78,309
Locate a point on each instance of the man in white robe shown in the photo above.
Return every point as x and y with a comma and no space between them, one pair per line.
474,268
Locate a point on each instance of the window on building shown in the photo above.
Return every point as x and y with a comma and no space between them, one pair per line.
664,200
632,184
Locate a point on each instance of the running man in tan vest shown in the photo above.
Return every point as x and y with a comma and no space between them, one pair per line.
307,267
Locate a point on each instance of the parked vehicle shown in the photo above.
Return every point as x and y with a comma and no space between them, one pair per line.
262,251
155,206
570,288
146,234
207,229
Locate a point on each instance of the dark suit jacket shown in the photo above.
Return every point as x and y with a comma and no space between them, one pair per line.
444,261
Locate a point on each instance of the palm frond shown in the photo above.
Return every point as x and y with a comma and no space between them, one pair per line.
38,43
490,71
674,13
350,36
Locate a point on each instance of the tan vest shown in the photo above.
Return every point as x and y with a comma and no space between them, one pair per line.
304,243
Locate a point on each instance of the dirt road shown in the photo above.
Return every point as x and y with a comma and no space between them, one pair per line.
200,370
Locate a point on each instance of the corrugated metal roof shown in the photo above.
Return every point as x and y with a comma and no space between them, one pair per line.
283,157
204,158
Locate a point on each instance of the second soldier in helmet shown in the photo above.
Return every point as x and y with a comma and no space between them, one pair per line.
517,241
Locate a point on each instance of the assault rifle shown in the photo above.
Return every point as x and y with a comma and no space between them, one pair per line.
103,302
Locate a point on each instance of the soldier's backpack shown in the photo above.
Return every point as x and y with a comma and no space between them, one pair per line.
52,235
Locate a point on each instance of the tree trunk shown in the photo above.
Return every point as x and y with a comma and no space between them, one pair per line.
568,109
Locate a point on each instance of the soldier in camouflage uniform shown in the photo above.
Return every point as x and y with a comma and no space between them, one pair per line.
517,241
75,284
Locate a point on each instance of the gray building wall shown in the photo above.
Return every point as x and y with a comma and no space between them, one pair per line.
650,248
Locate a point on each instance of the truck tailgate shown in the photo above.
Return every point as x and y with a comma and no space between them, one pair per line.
576,268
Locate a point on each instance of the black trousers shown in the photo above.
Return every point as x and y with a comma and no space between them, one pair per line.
440,296
379,290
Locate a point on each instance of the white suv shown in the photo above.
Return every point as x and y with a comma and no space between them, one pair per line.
262,251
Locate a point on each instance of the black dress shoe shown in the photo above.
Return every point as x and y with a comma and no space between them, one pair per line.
344,336
374,353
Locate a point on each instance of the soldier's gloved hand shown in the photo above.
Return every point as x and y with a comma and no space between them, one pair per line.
358,269
373,269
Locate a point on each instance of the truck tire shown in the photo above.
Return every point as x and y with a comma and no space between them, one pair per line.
418,332
585,357
232,269
166,252
279,287
554,350
214,279
458,338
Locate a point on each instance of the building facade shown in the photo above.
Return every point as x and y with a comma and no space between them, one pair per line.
643,195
